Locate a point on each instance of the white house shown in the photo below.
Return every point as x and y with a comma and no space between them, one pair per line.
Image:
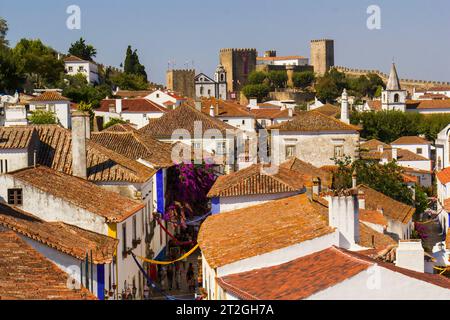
15,115
74,65
81,254
283,61
441,92
136,111
52,101
417,145
443,197
205,87
167,99
56,197
314,138
17,145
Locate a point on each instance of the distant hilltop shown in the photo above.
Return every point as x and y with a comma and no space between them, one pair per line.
407,84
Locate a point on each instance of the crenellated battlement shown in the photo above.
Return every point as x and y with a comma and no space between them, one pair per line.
322,40
253,50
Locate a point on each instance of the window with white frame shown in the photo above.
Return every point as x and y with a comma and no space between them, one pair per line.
338,151
221,148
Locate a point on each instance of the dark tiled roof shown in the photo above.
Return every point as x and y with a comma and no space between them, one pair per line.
27,275
132,105
229,237
68,239
80,192
104,165
255,180
184,117
16,137
49,96
392,209
135,145
307,121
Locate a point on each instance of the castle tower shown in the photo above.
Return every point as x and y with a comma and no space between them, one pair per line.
220,77
182,82
393,98
322,55
344,107
238,64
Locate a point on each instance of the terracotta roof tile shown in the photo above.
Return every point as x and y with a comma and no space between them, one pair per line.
373,145
373,216
447,205
183,117
370,238
135,145
403,155
225,108
306,276
444,175
16,137
297,279
255,180
314,121
27,275
392,209
55,151
447,239
329,110
428,104
65,238
73,58
49,96
132,105
408,140
80,192
308,171
240,234
133,93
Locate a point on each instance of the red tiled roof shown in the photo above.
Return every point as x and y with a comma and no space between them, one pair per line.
73,58
225,108
68,239
444,175
255,180
270,113
428,104
308,275
133,93
308,171
16,137
392,209
411,140
329,110
80,192
25,274
403,155
49,96
372,145
134,145
373,216
229,237
132,105
375,105
314,121
183,117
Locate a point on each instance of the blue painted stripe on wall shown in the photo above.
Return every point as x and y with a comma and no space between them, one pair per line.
160,191
101,281
215,205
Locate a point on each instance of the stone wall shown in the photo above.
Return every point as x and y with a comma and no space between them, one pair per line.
238,64
322,55
182,82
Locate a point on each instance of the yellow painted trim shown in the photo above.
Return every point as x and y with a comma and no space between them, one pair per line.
112,230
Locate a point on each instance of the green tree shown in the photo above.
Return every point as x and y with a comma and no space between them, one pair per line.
112,122
327,90
82,50
376,85
38,62
3,32
128,81
303,79
10,76
278,79
132,64
258,91
257,77
77,89
42,117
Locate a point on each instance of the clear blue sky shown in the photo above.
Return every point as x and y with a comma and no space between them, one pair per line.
416,33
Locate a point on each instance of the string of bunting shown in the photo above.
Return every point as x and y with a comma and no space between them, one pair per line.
180,243
169,262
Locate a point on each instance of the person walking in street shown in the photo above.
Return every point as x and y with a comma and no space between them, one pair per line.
190,277
170,276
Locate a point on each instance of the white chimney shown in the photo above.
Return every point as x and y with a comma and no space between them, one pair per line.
119,106
79,162
198,105
410,255
380,148
290,112
354,180
212,111
253,103
344,107
394,154
361,200
317,186
343,211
